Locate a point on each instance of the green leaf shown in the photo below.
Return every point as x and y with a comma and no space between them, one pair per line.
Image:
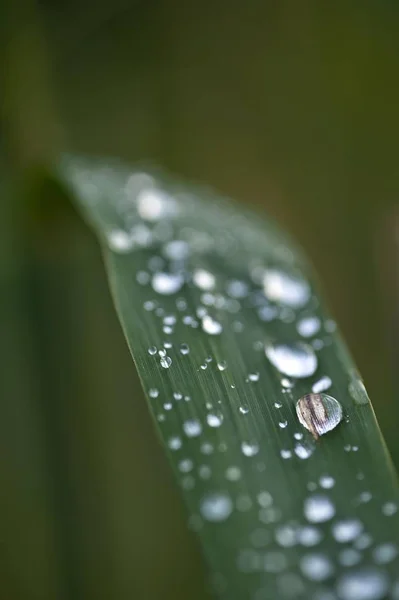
225,326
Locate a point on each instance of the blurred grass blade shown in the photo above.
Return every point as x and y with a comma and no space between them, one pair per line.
227,333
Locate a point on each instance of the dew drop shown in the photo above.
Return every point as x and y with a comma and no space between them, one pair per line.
211,326
192,428
153,393
185,465
385,553
152,204
165,362
216,507
184,349
233,473
283,424
316,567
253,377
167,283
286,289
302,451
347,530
204,472
285,453
308,326
389,509
294,360
204,279
119,241
244,410
319,413
286,536
249,449
327,482
175,443
214,420
309,536
176,250
206,448
222,365
318,509
363,584
349,557
152,350
322,384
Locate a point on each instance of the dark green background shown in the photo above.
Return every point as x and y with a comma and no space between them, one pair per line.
285,105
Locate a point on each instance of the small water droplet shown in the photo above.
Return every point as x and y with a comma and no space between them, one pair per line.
175,443
294,360
192,428
327,482
233,473
385,553
206,448
167,345
216,507
322,384
318,509
265,499
285,453
204,279
249,449
286,536
316,567
363,541
165,362
319,413
185,465
119,241
176,250
244,410
167,283
278,405
286,289
303,452
253,377
347,530
349,557
309,536
298,436
167,406
308,326
237,289
363,584
153,393
283,424
152,350
222,365
204,472
184,349
214,420
389,509
211,326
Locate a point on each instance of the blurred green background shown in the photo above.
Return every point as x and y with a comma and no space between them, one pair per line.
288,106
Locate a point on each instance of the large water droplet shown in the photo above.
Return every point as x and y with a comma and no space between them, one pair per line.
165,362
363,584
319,413
211,326
216,507
295,360
285,289
316,567
167,283
318,509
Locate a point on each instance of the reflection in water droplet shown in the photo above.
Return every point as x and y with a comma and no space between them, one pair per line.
214,420
294,360
165,362
167,283
216,507
211,326
285,289
119,241
318,509
249,449
321,385
347,530
204,279
319,413
308,326
316,567
192,428
385,553
362,584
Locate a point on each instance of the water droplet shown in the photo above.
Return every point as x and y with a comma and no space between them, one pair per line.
309,536
327,482
184,349
285,453
176,250
165,362
152,350
211,326
214,420
347,530
357,390
175,443
177,396
308,326
264,499
167,406
349,557
253,377
363,584
249,449
286,536
204,279
204,472
167,345
167,283
244,410
319,413
152,204
119,241
142,277
206,448
363,541
316,567
286,289
283,424
385,553
192,428
216,507
298,436
237,289
294,360
321,385
185,465
275,562
233,473
389,509
153,393
318,509
222,365
302,451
